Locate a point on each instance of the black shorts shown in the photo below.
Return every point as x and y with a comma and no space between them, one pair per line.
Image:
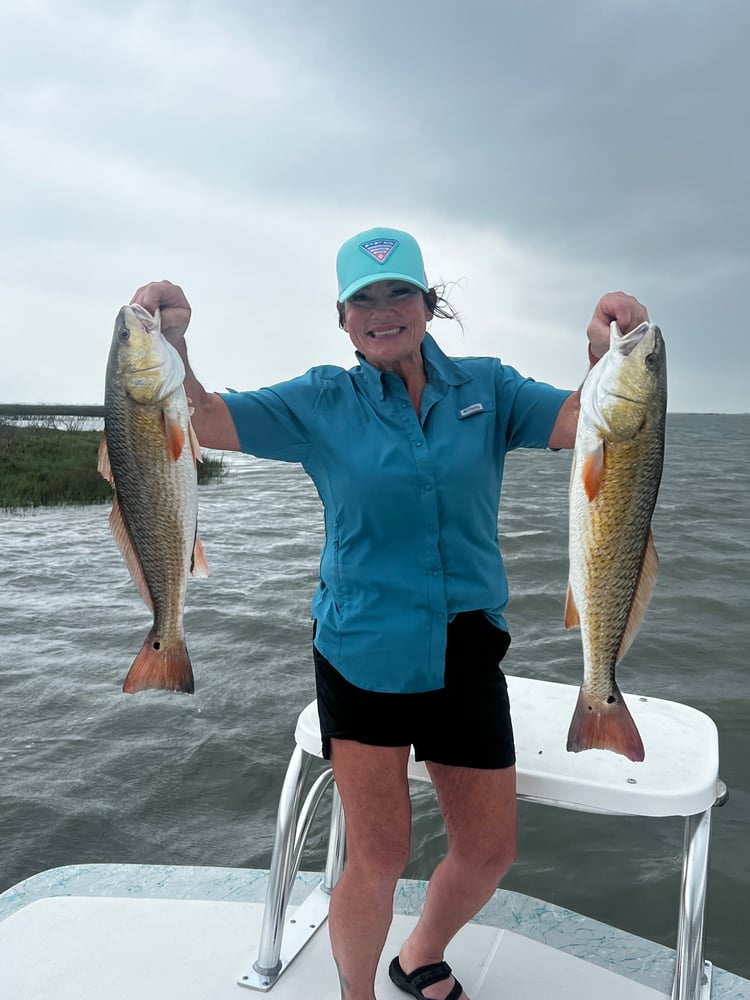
465,724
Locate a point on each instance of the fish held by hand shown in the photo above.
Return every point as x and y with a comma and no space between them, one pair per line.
149,453
617,466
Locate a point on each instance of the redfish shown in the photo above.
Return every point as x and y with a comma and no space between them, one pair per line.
149,453
617,467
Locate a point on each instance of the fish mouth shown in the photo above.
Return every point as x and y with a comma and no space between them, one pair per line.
143,315
627,342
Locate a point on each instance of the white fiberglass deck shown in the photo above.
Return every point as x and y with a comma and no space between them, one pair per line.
231,934
84,948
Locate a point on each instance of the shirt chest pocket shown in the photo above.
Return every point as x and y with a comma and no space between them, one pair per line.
473,437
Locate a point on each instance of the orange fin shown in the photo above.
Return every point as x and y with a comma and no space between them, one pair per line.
198,564
605,727
154,668
102,465
174,433
643,591
570,618
128,551
592,471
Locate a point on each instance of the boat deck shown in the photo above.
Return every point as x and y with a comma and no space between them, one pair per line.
120,931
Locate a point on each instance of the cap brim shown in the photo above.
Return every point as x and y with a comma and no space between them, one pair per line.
372,279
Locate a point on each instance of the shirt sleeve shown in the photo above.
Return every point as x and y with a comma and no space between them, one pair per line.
534,411
275,422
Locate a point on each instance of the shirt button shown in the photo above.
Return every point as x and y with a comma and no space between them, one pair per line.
436,572
419,444
428,486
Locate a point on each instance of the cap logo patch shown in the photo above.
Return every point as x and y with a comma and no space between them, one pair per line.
380,250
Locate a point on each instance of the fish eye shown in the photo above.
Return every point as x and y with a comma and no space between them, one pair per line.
651,360
125,334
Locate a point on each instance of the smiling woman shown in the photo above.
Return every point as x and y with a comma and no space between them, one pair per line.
406,450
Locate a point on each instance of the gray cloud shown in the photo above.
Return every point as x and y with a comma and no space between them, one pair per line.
542,152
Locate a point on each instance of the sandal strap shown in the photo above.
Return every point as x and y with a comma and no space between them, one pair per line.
426,975
457,990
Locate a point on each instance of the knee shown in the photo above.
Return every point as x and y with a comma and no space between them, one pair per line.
489,862
501,860
382,862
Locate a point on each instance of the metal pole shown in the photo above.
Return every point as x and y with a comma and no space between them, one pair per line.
277,895
688,976
336,843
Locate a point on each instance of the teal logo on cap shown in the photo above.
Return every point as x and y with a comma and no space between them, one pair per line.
380,250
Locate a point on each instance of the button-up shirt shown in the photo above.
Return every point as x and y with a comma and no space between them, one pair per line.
410,500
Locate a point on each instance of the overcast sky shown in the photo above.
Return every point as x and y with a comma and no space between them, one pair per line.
541,151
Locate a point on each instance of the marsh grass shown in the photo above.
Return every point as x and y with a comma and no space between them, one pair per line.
44,466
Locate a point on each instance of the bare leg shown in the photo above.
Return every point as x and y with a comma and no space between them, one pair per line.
479,807
374,789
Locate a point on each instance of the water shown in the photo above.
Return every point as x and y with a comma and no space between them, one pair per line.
88,774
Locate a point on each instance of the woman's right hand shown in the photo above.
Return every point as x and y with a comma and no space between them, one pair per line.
171,301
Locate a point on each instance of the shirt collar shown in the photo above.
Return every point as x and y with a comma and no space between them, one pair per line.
447,369
439,367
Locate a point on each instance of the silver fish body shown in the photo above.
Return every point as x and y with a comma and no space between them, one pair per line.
617,469
149,454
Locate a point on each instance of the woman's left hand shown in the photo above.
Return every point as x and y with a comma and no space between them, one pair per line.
624,309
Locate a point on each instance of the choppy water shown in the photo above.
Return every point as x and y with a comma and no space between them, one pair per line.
88,774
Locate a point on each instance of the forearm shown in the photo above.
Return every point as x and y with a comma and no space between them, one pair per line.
211,419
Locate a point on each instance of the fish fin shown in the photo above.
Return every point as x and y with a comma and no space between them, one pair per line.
198,564
571,618
605,727
128,551
643,591
155,668
174,433
102,464
592,471
195,446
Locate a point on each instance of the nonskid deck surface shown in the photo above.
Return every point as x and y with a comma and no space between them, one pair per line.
91,948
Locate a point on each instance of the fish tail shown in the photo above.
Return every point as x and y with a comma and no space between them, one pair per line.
160,668
605,727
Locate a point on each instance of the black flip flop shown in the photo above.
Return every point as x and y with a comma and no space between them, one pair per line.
425,975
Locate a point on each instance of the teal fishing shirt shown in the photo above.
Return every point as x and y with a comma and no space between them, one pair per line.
410,501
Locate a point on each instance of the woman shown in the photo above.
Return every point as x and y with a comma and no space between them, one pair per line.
406,450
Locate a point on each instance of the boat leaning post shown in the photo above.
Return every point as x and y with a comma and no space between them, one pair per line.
679,777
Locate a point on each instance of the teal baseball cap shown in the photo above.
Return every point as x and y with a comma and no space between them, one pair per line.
379,255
